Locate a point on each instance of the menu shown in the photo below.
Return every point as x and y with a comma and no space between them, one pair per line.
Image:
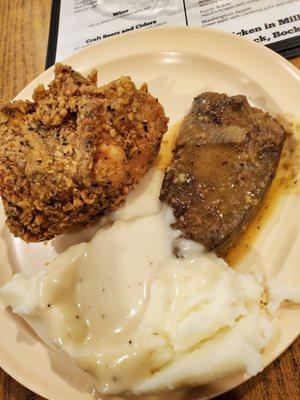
79,23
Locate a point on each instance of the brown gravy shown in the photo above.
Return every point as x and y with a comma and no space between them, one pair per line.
166,148
286,182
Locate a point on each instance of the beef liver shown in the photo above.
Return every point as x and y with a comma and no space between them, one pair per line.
225,159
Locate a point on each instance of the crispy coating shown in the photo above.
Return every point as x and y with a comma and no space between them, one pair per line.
74,153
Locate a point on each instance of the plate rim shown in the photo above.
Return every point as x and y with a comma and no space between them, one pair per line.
288,67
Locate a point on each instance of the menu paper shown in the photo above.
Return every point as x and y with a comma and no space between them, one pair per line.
80,23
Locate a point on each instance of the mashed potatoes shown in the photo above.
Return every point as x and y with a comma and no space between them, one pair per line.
140,319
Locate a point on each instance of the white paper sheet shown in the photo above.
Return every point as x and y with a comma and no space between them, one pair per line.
84,22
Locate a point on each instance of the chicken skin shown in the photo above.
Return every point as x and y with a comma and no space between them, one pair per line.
74,152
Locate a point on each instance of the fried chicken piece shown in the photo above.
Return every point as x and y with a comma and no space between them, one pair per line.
75,152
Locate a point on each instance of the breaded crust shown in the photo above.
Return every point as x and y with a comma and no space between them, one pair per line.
74,153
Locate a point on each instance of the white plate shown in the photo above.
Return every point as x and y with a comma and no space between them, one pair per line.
177,64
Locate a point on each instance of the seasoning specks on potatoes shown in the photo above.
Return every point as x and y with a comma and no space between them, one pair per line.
225,159
74,153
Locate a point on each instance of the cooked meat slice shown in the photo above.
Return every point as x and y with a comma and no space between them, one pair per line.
74,153
226,157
